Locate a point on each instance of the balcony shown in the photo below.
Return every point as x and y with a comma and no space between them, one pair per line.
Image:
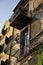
21,20
15,51
14,42
26,17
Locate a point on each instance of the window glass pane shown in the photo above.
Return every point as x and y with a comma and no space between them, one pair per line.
24,41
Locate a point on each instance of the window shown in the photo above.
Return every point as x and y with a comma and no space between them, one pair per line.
1,48
5,31
26,49
24,40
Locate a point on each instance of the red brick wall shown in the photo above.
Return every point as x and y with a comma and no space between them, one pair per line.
36,3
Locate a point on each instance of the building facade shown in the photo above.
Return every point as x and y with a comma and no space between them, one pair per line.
23,33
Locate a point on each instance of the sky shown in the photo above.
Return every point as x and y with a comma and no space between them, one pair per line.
6,10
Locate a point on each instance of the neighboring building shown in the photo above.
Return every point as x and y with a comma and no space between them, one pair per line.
8,32
1,39
23,32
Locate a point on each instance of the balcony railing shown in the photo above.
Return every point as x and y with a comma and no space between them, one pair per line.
14,51
12,17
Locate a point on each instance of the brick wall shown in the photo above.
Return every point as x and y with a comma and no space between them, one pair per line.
34,4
